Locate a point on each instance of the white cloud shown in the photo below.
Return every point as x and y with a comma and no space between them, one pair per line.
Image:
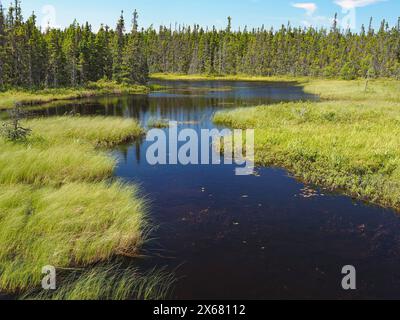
310,7
351,4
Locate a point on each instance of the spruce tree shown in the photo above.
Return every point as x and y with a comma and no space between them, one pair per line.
135,68
118,49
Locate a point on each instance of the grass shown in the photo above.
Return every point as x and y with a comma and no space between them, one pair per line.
35,97
158,123
110,281
62,150
355,90
98,131
77,224
52,165
58,207
239,77
348,142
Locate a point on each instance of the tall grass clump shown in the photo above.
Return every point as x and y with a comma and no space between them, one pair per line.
63,149
158,123
98,131
110,281
42,164
77,224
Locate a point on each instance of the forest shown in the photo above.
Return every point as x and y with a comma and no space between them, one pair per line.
35,58
70,57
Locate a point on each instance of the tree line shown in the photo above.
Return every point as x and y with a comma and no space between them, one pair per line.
317,52
31,57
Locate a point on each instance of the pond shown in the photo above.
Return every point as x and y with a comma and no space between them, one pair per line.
263,236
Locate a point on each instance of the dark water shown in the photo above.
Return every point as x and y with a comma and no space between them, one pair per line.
265,236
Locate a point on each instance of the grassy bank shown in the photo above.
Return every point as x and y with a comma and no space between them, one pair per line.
377,90
27,98
202,77
57,208
62,149
349,143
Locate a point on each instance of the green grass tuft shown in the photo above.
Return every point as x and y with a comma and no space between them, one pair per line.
62,150
110,281
158,123
77,224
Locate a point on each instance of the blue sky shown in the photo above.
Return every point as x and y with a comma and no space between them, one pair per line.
252,13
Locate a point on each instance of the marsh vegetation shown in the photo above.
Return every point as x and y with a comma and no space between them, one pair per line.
347,142
58,207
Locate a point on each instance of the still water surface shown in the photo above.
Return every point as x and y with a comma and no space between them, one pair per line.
265,236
